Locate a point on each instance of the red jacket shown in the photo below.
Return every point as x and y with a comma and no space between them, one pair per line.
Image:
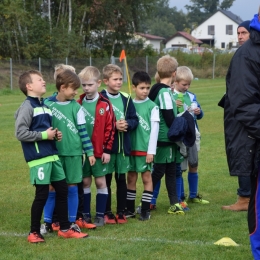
104,126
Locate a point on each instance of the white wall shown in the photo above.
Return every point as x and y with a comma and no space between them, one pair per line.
220,21
155,43
178,40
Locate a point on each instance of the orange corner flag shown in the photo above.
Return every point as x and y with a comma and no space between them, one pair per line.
122,55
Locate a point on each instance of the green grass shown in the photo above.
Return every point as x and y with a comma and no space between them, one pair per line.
163,237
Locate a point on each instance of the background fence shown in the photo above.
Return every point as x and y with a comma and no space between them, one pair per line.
206,65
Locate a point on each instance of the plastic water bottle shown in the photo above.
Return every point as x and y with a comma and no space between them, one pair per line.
180,97
193,106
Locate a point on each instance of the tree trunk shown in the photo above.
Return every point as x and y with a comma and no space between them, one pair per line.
70,16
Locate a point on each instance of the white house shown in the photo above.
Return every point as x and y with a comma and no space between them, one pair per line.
219,30
182,39
149,39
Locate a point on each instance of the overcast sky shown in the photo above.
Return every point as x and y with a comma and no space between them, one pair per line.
246,9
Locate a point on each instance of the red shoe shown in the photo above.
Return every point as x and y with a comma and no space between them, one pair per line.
121,218
82,223
109,218
56,226
35,238
73,232
152,206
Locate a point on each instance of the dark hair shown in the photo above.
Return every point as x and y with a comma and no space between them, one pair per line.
141,77
68,79
25,78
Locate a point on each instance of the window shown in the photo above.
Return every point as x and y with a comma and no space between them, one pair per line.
223,45
211,30
230,45
229,29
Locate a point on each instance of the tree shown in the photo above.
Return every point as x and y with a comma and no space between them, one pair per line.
164,21
200,10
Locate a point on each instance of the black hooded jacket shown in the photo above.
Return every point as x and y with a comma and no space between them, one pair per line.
242,108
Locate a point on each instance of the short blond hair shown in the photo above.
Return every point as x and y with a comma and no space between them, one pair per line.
166,65
61,67
183,73
90,73
157,77
109,69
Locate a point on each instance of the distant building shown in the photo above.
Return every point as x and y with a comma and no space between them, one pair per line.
149,39
182,39
219,30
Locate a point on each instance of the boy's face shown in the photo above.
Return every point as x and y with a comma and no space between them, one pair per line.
142,91
114,83
182,85
69,92
38,86
90,87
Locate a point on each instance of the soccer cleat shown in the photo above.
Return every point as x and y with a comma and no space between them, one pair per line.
110,218
99,221
56,226
184,205
145,215
46,228
129,214
35,238
121,218
176,209
73,232
198,199
85,223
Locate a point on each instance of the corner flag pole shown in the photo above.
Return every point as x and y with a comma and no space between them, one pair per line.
123,57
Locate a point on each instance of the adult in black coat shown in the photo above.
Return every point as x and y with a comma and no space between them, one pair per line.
242,123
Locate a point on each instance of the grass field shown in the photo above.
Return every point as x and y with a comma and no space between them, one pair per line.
163,237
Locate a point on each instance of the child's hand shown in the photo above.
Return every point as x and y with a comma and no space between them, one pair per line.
51,133
58,135
105,158
196,111
149,158
92,160
121,125
179,103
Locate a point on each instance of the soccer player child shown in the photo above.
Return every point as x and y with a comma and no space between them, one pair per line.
144,141
182,83
100,124
126,121
164,160
69,117
34,129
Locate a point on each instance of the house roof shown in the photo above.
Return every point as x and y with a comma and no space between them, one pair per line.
150,36
229,14
186,36
232,16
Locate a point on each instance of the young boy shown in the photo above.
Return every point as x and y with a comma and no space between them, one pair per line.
188,101
100,124
34,129
61,67
126,121
69,116
164,160
143,140
55,225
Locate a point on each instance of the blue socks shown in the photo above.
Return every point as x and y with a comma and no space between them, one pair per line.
49,207
73,202
193,179
101,202
182,190
156,192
